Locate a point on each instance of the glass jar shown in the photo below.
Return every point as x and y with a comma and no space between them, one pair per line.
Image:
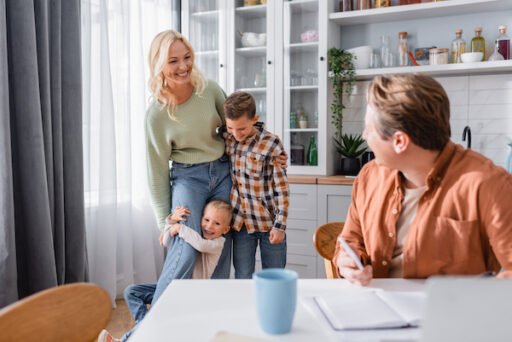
345,5
364,4
403,58
303,120
478,42
386,55
382,3
438,56
458,47
293,120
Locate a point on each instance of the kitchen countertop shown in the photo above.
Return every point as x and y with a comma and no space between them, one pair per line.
332,180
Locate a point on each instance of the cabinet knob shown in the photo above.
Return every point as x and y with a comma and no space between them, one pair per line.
321,58
269,62
221,65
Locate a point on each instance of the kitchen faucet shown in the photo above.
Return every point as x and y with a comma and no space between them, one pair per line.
467,132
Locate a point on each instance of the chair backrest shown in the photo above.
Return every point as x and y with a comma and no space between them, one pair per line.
75,312
324,241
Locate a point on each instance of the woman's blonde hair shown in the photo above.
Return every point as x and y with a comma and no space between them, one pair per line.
158,54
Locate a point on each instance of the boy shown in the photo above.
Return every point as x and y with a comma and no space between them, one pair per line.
214,223
260,187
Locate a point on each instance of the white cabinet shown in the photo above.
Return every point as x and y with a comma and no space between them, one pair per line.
312,205
427,24
286,73
204,25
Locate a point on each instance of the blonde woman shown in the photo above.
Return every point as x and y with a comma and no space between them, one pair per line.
181,125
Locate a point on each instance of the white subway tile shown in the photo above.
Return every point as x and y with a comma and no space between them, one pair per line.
490,111
453,83
491,97
485,82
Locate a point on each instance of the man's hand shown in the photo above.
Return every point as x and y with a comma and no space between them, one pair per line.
180,214
276,236
348,269
175,229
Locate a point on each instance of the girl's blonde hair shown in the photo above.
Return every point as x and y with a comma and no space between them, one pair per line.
157,58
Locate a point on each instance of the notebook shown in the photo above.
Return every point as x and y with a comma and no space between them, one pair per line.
376,309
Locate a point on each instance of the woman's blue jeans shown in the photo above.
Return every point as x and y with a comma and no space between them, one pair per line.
192,186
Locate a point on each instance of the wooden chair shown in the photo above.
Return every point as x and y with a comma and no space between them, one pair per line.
324,240
75,312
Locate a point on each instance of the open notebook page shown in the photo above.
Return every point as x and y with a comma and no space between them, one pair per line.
408,305
359,310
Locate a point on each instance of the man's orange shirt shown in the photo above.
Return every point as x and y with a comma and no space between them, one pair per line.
463,224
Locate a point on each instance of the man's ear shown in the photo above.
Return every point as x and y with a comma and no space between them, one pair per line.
401,142
255,119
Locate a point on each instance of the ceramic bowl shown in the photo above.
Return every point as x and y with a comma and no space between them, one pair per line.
363,56
471,57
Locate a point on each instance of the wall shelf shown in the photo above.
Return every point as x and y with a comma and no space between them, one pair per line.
418,11
444,69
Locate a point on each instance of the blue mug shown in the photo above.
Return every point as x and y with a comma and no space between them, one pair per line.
276,298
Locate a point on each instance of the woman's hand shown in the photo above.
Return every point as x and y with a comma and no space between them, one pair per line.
161,238
276,236
348,270
180,214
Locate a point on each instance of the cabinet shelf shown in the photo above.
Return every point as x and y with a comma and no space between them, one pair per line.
206,53
418,11
205,14
294,130
303,47
252,51
253,90
443,69
305,88
251,12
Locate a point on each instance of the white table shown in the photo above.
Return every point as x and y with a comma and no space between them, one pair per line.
195,310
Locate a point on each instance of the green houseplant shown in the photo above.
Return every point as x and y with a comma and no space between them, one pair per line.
343,76
349,146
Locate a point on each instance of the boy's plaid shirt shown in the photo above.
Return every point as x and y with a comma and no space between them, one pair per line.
260,187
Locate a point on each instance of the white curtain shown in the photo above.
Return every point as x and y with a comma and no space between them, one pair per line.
122,235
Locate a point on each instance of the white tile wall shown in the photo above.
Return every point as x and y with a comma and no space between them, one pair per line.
483,102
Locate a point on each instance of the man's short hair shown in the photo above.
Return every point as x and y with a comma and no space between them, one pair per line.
220,205
415,104
239,104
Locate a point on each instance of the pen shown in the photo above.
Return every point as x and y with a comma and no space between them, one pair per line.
350,252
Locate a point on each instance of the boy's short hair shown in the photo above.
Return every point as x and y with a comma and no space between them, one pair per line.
239,104
415,104
221,205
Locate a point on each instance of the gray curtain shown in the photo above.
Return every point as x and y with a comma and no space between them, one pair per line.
42,229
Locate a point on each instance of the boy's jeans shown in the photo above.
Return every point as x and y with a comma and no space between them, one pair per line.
244,252
192,186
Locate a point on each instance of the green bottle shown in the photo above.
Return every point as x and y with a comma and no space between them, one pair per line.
478,42
312,155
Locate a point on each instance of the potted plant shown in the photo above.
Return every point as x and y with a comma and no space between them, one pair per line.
349,146
343,76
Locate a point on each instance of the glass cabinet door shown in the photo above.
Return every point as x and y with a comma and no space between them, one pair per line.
203,25
252,54
300,82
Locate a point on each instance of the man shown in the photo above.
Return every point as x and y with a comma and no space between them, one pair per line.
424,206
